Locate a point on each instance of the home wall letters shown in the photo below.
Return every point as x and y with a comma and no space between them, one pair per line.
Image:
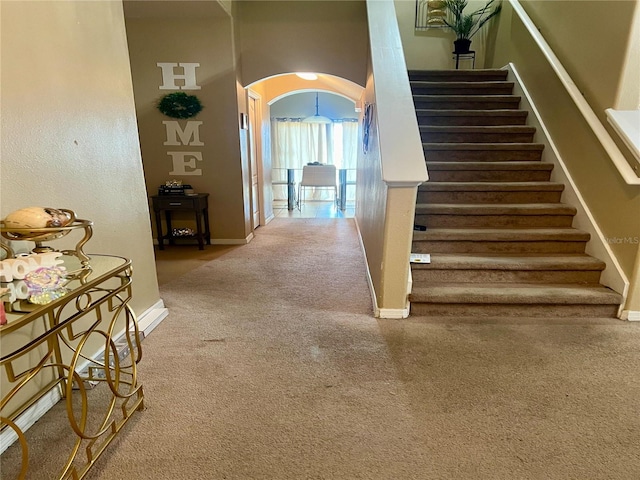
185,163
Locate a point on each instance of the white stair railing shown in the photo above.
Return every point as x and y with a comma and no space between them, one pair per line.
590,117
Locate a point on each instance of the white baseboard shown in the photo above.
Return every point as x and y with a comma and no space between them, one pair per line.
152,317
377,311
224,241
631,315
392,313
147,321
372,289
232,241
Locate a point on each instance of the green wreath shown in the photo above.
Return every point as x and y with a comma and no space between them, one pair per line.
179,105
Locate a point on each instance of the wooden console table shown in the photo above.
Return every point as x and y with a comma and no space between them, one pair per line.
198,204
49,353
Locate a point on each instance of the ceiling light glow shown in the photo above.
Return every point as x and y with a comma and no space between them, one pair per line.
307,75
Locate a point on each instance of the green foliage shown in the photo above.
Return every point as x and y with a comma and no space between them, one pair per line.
179,105
466,25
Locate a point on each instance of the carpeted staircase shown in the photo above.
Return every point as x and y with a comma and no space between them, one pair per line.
501,241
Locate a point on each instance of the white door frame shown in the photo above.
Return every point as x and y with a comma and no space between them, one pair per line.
257,129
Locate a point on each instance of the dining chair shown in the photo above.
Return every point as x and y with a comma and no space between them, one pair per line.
317,176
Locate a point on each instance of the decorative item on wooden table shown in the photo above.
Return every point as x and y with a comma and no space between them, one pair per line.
18,267
46,284
43,224
24,277
182,232
38,217
466,25
175,187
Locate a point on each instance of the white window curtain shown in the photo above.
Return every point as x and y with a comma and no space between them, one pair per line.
296,144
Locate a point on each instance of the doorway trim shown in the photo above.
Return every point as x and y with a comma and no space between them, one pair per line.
255,130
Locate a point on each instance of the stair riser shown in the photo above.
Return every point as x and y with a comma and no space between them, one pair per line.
504,89
494,221
482,155
489,176
505,276
514,311
457,121
488,197
459,76
473,137
444,104
517,265
487,246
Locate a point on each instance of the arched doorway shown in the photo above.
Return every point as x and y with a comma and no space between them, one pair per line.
313,128
288,143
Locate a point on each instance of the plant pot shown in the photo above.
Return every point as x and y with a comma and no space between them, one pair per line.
461,45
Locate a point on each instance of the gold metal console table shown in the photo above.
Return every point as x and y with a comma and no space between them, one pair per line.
83,348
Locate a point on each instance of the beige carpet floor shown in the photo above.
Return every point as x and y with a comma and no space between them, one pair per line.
271,366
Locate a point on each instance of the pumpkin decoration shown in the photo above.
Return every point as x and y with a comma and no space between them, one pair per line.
37,217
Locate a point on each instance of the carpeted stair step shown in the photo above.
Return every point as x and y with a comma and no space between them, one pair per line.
489,192
477,134
461,88
489,171
488,75
474,152
469,102
471,117
489,269
537,215
567,301
498,240
501,243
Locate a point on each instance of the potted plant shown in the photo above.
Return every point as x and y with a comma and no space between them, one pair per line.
466,25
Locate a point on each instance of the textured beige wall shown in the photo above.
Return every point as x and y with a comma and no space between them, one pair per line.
69,134
431,49
590,38
301,36
598,67
595,66
371,200
227,5
629,91
207,41
423,49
